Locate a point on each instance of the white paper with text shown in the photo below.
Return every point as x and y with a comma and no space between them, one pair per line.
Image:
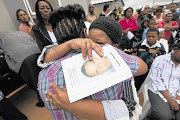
95,76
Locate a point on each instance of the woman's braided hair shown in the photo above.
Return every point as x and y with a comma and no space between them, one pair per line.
67,22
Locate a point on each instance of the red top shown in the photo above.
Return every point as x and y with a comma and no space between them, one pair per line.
132,24
167,35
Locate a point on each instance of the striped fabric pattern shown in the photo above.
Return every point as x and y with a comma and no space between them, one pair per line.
54,74
165,76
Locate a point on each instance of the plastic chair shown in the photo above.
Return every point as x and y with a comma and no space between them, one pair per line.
138,109
146,105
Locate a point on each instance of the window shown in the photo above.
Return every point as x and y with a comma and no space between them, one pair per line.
99,1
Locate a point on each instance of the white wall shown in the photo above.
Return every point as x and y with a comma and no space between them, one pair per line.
84,3
6,23
12,6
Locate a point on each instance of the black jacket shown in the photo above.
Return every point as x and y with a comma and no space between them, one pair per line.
175,17
42,37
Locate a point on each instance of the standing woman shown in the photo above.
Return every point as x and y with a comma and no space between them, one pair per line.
26,25
43,30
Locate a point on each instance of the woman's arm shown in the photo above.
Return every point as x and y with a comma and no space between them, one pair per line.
88,109
57,52
142,67
85,45
172,28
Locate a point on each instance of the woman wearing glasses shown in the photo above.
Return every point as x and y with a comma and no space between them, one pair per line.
43,30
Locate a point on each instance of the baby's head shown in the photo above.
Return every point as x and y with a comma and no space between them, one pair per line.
96,67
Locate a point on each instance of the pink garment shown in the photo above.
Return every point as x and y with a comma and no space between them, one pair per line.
132,24
158,20
25,28
167,35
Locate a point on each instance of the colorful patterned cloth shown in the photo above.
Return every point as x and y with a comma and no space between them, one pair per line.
54,74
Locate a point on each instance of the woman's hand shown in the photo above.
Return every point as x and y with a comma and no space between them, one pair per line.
85,45
126,31
84,109
59,99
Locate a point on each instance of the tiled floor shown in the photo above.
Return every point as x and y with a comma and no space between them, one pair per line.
25,100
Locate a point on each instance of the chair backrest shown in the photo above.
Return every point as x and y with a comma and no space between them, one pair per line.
138,109
146,104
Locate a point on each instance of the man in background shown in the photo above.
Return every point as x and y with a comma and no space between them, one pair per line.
147,8
106,10
91,16
120,13
175,14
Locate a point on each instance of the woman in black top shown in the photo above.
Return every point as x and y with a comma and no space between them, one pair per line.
43,8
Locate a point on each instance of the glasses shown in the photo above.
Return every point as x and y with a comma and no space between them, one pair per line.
45,7
147,7
91,7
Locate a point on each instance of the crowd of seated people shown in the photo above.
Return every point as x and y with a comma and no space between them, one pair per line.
148,49
142,37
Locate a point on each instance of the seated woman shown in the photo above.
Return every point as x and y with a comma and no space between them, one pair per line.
103,30
26,24
128,23
43,30
143,26
159,17
168,25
